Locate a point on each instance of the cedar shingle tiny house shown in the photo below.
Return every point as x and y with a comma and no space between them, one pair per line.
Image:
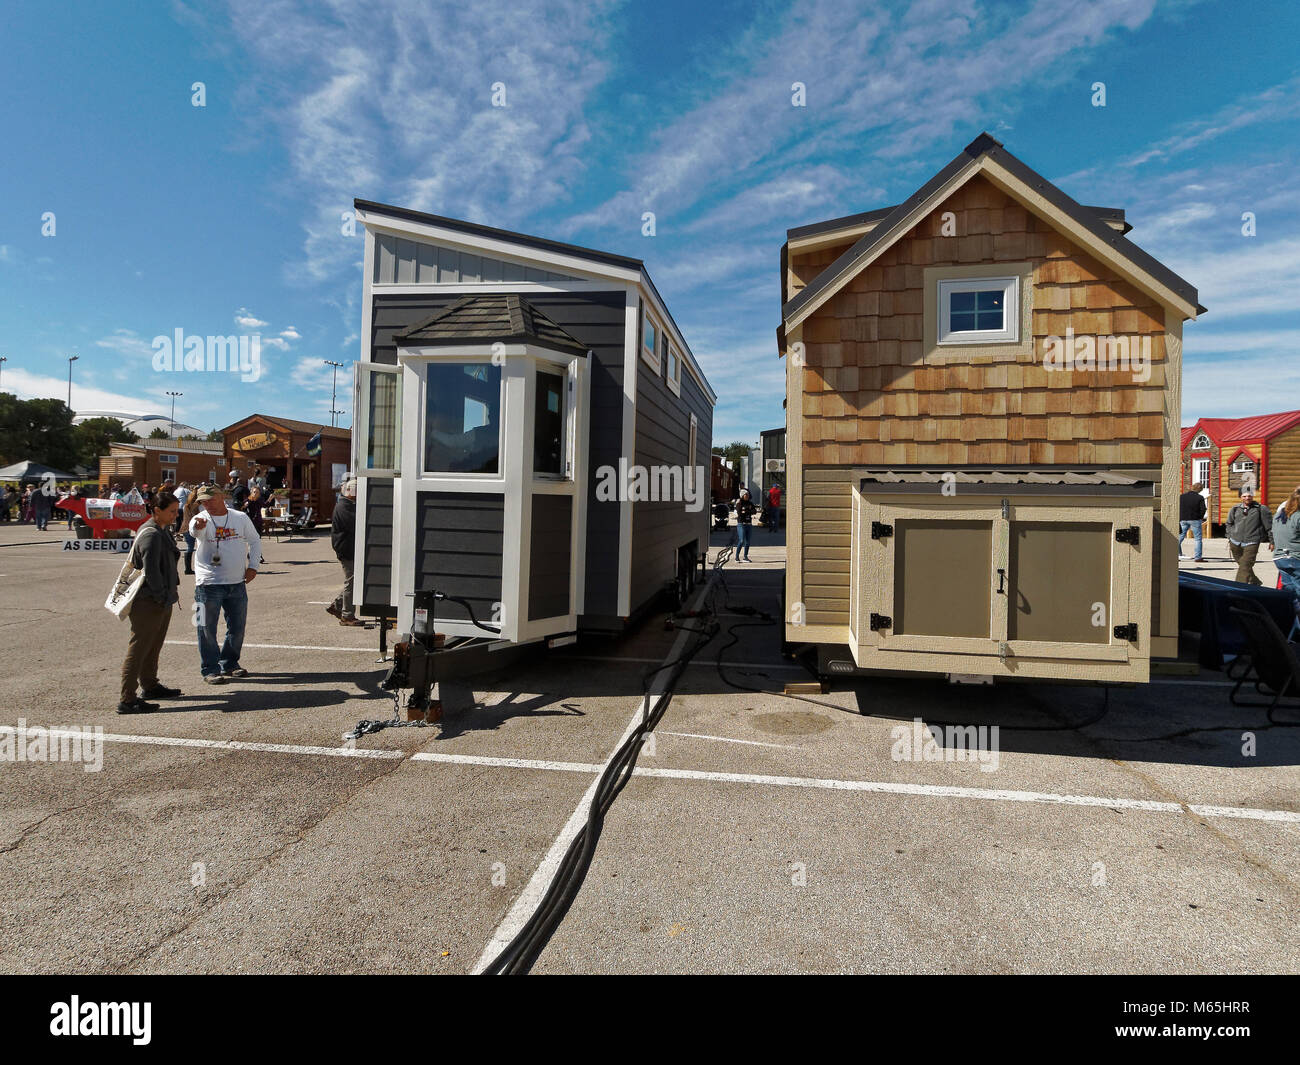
508,386
983,391
1226,454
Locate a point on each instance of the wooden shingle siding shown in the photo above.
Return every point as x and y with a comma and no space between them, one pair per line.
663,427
595,318
806,266
458,550
827,518
871,398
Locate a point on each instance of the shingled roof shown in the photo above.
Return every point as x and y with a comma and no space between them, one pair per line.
488,319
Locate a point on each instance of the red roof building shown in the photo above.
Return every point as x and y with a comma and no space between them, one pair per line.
1227,454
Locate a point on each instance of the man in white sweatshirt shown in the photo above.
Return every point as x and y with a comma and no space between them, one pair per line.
228,552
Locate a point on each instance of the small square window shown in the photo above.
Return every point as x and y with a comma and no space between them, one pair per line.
979,311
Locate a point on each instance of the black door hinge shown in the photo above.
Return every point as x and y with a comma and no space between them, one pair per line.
881,621
879,530
1127,536
1127,632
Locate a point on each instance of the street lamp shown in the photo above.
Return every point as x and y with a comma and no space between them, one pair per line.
334,390
174,395
71,360
3,359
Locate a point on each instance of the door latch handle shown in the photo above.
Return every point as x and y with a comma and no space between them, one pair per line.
1002,582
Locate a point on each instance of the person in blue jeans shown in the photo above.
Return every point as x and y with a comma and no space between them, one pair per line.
1191,518
745,511
1286,546
227,554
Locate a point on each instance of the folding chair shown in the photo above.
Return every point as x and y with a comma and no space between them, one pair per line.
305,521
1271,664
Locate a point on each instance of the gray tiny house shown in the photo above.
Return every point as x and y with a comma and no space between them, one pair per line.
510,388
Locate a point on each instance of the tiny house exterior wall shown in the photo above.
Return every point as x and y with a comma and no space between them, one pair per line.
872,387
637,406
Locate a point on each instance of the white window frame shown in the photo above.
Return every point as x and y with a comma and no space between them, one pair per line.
361,419
650,353
1246,465
1201,474
1009,334
168,459
692,452
673,369
568,373
1201,443
450,358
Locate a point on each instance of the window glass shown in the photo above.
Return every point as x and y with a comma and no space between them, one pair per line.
462,418
648,337
548,428
983,309
381,435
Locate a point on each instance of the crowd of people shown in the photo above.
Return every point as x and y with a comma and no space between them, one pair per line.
221,527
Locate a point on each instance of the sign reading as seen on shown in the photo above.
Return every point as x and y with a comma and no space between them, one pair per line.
114,545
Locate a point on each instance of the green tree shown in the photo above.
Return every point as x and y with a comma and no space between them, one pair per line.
94,436
160,434
37,429
216,436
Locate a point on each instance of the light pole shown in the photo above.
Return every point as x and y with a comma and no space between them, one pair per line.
174,395
334,389
71,360
3,359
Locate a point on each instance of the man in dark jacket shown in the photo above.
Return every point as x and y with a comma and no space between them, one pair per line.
1191,517
155,552
1249,525
343,534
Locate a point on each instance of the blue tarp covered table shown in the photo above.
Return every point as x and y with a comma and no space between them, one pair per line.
1203,607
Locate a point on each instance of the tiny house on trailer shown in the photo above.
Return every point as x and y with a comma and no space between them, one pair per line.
532,432
983,394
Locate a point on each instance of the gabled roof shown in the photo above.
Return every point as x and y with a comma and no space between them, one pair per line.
1113,216
488,319
986,155
295,426
1189,431
1225,431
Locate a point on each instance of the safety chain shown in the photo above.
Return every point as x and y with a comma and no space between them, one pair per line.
367,726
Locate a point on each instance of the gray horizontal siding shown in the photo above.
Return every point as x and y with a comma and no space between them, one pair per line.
377,556
596,319
411,262
458,549
550,564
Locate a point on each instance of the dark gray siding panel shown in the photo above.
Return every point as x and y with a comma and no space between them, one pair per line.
458,547
549,561
377,561
663,425
597,319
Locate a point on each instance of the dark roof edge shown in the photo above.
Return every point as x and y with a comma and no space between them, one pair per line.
474,229
985,144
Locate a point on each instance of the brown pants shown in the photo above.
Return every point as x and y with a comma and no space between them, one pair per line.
1245,559
149,620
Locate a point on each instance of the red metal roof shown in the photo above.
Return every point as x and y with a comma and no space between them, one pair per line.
1233,430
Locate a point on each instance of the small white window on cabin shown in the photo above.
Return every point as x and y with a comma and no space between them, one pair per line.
1201,442
376,436
673,372
982,310
649,340
1243,466
692,454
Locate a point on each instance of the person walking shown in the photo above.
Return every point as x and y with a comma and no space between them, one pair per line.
1191,518
182,495
1249,525
187,515
774,501
343,532
254,508
228,552
1286,546
154,552
43,504
745,511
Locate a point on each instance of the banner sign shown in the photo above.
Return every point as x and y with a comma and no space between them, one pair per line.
113,546
254,441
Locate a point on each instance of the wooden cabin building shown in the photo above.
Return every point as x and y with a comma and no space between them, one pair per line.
983,397
1227,454
280,449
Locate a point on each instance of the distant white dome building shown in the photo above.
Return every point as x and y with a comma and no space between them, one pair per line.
142,424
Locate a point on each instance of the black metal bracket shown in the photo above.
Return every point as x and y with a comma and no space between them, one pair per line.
1127,632
879,530
881,621
1127,536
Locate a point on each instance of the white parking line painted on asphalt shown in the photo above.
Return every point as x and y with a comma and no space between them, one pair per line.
535,890
728,739
284,647
222,745
506,763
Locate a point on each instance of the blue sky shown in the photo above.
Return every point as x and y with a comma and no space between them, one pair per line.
225,218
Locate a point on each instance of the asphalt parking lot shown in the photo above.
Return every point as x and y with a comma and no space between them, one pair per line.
235,831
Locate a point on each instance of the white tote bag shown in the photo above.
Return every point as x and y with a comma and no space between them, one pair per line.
124,590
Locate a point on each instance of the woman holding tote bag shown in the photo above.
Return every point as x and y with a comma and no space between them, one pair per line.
156,554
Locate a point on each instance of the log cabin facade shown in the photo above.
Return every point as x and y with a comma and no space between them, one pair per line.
981,478
1226,454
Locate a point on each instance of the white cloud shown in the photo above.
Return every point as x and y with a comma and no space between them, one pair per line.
291,334
126,342
245,319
